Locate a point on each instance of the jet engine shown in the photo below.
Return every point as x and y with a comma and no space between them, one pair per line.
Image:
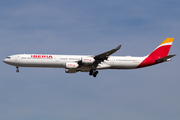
71,65
88,60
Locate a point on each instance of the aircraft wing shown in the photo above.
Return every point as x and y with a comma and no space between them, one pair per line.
104,56
100,58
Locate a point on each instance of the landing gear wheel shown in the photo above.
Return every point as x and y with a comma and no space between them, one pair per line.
95,73
91,72
17,69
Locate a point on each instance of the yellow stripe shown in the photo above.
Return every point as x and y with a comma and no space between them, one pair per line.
167,40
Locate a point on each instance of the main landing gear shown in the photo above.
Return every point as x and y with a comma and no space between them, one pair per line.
17,69
93,73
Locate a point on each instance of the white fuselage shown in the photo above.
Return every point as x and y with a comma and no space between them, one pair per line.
59,61
91,63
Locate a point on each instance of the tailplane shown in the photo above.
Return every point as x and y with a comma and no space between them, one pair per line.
160,54
164,59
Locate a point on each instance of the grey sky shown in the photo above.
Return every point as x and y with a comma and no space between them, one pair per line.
89,27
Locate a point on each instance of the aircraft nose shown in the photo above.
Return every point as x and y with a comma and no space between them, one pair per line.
4,60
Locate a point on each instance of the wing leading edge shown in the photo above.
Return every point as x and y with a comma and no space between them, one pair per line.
104,56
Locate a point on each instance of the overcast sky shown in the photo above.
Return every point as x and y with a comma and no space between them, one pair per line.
89,27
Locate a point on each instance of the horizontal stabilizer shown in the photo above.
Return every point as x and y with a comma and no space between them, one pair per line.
164,59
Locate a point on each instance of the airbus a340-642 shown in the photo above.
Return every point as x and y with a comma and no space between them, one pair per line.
92,63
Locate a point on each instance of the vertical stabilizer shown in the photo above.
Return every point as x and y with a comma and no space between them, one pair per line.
161,51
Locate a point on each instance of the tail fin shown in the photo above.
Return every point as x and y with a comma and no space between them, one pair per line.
163,49
160,52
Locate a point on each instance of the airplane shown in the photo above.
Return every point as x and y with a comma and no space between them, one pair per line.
92,63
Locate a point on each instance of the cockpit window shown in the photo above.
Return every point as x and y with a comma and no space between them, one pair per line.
8,57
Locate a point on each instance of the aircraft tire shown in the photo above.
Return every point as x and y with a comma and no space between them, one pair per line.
91,72
95,73
17,69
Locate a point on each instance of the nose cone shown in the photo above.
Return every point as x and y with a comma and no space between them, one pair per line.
5,60
9,61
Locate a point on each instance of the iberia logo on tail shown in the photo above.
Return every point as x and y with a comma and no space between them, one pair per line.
160,54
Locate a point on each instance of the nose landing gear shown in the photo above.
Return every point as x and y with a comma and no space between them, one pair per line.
93,73
17,69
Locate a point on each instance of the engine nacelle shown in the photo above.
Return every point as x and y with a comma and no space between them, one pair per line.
71,65
70,70
88,60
